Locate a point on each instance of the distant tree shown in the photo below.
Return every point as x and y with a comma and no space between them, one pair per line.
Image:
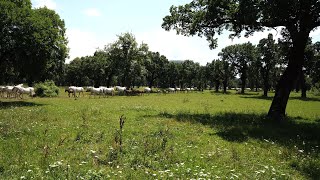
201,80
76,74
217,74
171,75
154,65
240,56
208,18
315,71
188,73
210,73
227,74
267,58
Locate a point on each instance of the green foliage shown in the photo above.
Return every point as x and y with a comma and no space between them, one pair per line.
33,43
316,89
46,89
240,56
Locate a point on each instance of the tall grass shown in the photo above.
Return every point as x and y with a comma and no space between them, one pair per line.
183,135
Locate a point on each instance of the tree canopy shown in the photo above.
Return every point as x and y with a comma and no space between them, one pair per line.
33,45
210,17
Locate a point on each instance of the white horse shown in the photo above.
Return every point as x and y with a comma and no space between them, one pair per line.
95,91
107,90
171,90
19,91
10,92
75,89
120,89
147,90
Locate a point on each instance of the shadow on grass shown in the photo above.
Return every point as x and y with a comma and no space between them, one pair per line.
12,104
219,92
290,98
306,99
294,133
241,126
258,97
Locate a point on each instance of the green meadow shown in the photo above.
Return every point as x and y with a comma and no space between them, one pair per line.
165,136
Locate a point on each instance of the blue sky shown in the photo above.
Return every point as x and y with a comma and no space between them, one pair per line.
91,24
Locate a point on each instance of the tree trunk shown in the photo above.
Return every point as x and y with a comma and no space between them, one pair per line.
225,87
243,82
217,86
266,83
303,85
287,81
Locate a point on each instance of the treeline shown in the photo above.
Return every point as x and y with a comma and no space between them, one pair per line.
127,63
33,48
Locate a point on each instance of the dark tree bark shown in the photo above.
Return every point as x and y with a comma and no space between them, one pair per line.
287,81
217,84
225,87
243,82
303,85
266,83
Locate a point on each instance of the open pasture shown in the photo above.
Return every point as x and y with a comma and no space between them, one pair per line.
183,135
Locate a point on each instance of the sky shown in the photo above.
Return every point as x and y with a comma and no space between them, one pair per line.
92,24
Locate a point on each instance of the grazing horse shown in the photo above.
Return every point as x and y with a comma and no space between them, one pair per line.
75,89
69,91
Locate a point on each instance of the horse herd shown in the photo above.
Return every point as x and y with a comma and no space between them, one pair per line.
105,91
16,91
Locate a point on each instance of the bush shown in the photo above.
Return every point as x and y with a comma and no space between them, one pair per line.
46,89
316,89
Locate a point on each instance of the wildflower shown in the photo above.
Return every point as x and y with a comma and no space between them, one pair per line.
22,177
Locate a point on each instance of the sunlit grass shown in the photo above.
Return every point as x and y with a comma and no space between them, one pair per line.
182,135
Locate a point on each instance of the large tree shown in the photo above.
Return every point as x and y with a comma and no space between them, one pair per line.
210,17
33,46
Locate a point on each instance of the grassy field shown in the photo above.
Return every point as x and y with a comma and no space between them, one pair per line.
196,135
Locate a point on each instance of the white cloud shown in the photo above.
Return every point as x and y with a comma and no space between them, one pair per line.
177,47
51,4
92,12
82,43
